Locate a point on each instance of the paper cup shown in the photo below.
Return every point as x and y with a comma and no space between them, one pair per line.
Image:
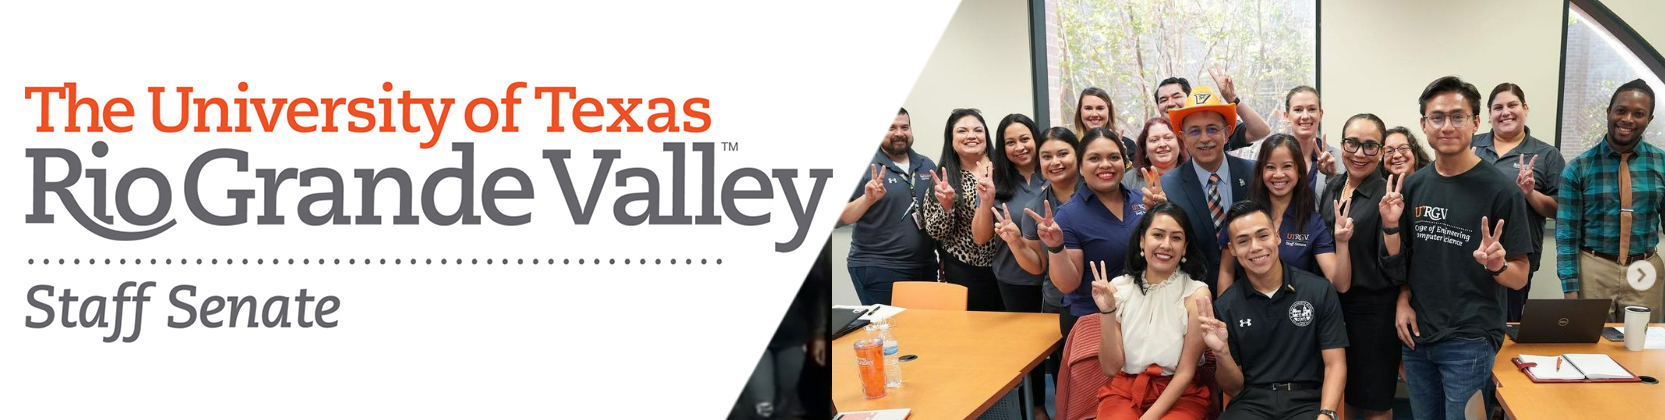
1636,327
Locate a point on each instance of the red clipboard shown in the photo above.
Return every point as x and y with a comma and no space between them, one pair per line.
1528,372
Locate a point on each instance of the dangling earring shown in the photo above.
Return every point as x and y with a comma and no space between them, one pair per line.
1182,259
1141,254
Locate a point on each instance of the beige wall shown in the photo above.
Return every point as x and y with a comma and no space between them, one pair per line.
1647,17
1376,57
983,62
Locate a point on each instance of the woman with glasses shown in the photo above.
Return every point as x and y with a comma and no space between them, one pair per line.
1156,151
1402,153
963,189
1094,110
1096,224
1511,149
1280,183
1367,305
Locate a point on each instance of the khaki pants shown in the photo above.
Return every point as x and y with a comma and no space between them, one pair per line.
1604,279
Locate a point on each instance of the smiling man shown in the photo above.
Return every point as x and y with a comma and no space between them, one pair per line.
1210,181
1597,240
1277,335
1466,242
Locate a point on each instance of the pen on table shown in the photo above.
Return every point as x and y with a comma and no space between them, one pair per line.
1557,364
871,311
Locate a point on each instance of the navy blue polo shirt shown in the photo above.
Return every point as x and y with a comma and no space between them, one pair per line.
1091,228
1281,338
1299,244
888,235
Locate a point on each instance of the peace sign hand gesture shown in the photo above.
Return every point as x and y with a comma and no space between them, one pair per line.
1392,205
1343,231
1153,188
875,185
1491,253
1104,293
1005,226
985,186
1525,179
1228,90
1326,161
1047,229
944,191
1214,331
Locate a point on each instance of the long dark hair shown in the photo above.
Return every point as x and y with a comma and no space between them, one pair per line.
1006,174
950,159
1303,199
1191,263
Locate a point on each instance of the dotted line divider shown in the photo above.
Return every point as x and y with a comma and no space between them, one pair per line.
365,261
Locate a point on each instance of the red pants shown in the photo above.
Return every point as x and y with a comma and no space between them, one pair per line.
1129,396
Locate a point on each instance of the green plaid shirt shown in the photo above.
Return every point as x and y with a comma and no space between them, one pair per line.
1587,215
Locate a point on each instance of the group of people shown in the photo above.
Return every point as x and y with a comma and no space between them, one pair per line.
1271,267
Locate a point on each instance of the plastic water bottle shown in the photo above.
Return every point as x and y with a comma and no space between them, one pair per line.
892,352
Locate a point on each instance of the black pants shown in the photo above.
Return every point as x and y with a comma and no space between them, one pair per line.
1027,299
1057,358
1517,299
1262,403
982,291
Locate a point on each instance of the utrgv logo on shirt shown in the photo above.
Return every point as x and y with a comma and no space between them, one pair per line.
1432,213
1300,313
1297,239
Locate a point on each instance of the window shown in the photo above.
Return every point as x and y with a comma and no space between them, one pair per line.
1597,62
1127,46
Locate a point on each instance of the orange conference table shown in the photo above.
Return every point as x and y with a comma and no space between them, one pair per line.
1524,400
967,362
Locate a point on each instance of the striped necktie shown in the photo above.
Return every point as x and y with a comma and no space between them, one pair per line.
1214,209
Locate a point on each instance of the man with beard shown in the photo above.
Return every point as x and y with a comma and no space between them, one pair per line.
1611,206
888,245
1207,184
1171,93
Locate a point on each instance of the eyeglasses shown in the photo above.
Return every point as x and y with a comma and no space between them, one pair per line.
1438,120
1394,150
1194,132
1352,145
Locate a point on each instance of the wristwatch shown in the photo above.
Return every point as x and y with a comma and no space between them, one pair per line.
1234,101
1390,230
1500,270
1331,413
1054,249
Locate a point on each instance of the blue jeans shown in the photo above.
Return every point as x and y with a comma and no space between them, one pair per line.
874,284
1442,377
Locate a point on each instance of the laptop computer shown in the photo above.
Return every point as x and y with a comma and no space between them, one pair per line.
845,320
1560,321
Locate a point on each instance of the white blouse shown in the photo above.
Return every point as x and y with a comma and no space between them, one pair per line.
1153,322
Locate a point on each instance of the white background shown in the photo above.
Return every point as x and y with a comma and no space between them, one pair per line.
797,85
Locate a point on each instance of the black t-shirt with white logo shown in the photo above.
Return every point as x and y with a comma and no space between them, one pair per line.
1281,338
1453,295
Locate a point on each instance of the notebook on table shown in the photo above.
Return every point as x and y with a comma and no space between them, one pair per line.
1573,368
